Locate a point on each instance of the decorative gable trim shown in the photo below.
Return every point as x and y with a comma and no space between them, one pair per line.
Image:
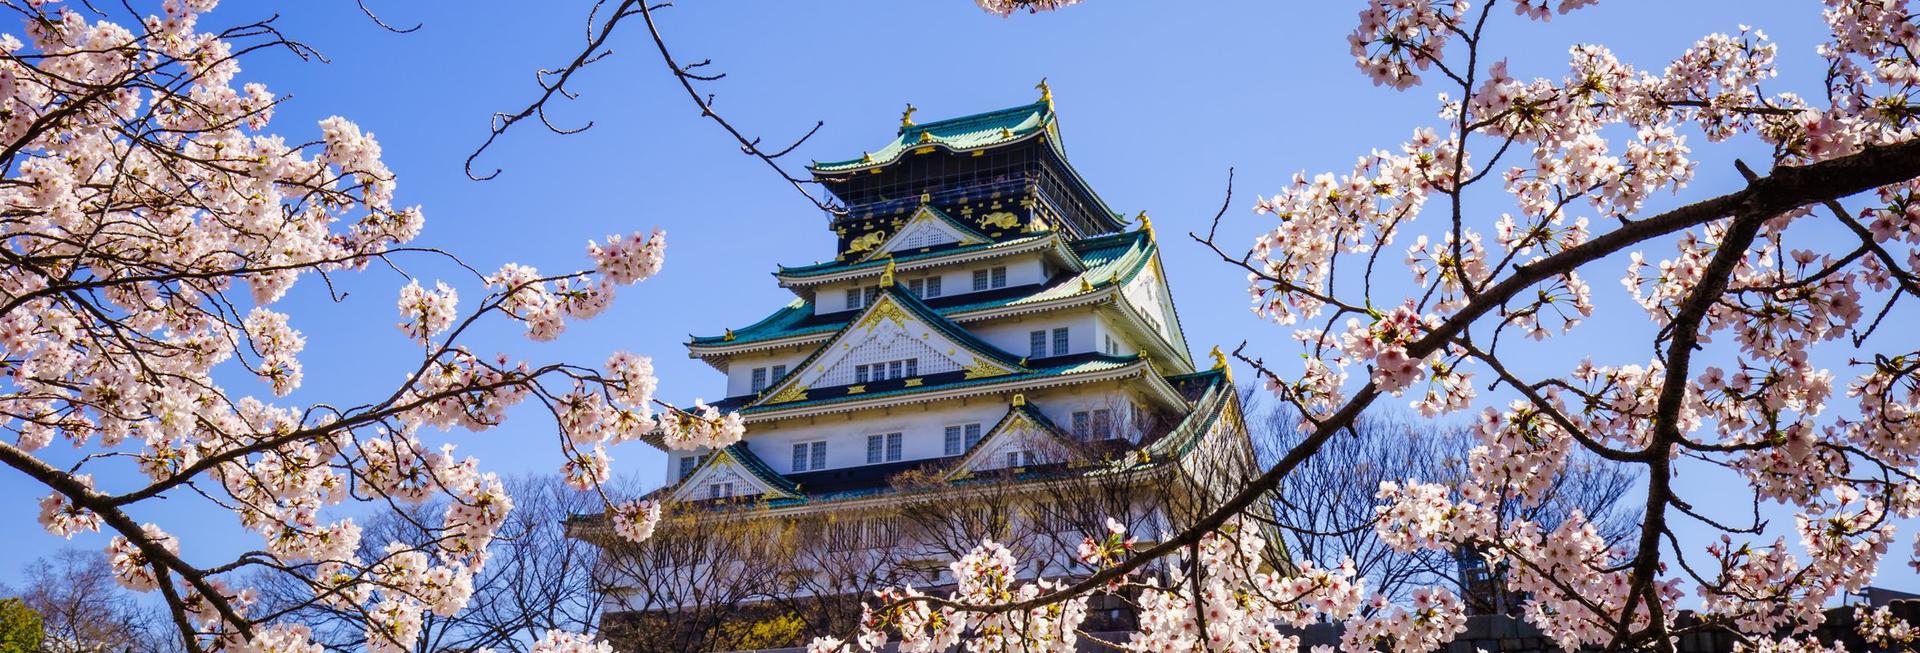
927,222
1022,421
898,314
735,464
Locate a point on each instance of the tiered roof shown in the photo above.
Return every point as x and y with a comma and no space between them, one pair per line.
963,134
1209,396
1102,263
1034,204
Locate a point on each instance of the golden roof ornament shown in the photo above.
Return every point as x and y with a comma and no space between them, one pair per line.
1146,224
926,137
926,198
1085,287
729,336
906,117
1220,362
1019,399
1046,92
886,276
866,157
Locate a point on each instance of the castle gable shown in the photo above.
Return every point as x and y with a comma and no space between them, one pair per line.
1024,437
896,337
927,227
736,473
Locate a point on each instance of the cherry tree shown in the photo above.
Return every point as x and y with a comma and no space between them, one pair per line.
152,225
1439,270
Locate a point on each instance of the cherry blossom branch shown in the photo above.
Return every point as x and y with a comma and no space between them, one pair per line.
1786,188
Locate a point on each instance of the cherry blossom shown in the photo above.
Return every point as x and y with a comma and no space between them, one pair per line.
167,226
1770,313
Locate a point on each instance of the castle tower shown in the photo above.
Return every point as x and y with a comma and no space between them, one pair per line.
985,319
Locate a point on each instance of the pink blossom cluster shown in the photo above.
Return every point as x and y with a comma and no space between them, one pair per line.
559,641
427,313
1008,7
635,520
1399,39
1231,597
1589,163
987,576
1383,344
701,426
165,224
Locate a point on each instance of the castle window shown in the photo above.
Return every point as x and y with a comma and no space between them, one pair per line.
1102,424
859,297
809,456
1094,424
779,372
1021,458
884,448
719,490
961,437
899,369
926,288
759,379
1037,344
1060,341
995,277
688,464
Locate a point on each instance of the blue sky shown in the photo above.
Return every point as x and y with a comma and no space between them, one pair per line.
1157,101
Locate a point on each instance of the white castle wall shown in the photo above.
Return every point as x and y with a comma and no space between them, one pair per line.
1022,270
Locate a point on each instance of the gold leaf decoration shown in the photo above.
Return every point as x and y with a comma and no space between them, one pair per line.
1000,219
793,392
983,368
886,309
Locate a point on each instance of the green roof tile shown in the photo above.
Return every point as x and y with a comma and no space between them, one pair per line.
1104,259
958,134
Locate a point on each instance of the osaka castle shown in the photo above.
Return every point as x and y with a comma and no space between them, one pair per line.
990,351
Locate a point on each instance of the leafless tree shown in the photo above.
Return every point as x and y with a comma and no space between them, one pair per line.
83,611
537,578
701,582
1326,507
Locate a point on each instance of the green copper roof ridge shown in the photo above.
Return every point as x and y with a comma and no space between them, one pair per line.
1080,248
759,468
1040,112
1046,108
1207,410
742,454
